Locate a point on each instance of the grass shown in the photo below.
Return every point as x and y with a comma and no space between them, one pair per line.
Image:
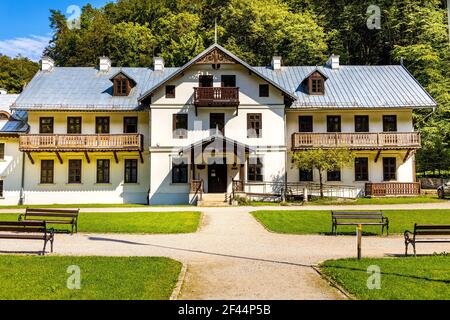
319,222
132,222
421,278
102,278
62,206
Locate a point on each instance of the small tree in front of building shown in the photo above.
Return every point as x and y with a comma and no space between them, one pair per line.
322,160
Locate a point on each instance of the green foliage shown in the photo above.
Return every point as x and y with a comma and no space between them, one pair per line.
15,73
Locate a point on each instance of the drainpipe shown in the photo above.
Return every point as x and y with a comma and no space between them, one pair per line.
22,183
285,158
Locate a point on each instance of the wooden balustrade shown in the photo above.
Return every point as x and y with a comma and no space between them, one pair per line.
74,143
197,188
210,96
387,140
392,189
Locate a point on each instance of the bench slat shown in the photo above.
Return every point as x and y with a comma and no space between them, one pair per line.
432,233
62,215
363,223
22,223
25,230
25,237
437,226
358,217
52,210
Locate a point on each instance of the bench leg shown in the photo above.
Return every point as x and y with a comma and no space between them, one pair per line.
414,247
45,246
406,248
51,244
387,230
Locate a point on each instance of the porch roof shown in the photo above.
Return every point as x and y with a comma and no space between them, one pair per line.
220,139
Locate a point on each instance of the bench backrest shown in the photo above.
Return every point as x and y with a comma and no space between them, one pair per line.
432,230
23,226
357,215
71,213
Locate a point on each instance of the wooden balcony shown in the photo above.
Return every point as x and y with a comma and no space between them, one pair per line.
392,189
205,97
382,140
81,143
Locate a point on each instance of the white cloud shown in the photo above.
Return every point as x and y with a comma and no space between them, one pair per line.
31,47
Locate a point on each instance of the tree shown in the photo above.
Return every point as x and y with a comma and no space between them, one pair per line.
15,73
322,160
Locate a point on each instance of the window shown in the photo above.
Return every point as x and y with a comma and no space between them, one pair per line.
102,125
47,171
361,169
361,123
389,123
46,125
74,171
205,81
316,84
389,169
103,171
130,125
179,172
305,123
217,122
255,170
121,87
334,175
229,81
180,126
170,92
74,125
2,151
131,168
263,90
333,123
254,125
305,175
1,188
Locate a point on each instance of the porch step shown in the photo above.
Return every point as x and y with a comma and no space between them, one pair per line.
213,200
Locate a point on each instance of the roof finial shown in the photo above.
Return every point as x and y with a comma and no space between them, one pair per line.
215,32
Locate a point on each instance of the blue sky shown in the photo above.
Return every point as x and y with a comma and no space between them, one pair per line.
24,24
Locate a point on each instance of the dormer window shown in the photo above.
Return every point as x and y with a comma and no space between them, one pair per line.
315,83
122,84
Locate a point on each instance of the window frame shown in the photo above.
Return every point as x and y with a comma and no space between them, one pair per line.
364,126
49,176
329,124
121,87
42,125
309,174
202,79
256,166
97,125
252,131
105,169
75,173
2,182
361,169
125,125
131,171
75,125
310,123
387,173
231,78
2,151
181,132
170,92
180,172
264,90
338,177
387,123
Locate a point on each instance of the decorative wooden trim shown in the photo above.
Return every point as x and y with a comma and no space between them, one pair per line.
87,157
141,156
408,152
30,157
377,156
116,157
216,57
59,157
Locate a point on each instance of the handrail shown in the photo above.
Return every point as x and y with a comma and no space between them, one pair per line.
216,95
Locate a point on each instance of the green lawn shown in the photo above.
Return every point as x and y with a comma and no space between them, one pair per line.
62,206
102,278
132,222
314,222
401,278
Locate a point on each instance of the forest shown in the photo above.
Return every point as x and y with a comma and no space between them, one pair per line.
304,32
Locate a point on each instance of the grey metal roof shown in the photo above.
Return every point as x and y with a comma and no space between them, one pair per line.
18,120
6,101
354,87
85,89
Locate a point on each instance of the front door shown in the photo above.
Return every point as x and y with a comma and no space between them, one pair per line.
217,121
217,178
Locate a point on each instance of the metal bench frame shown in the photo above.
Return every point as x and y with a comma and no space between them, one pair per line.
27,230
51,216
359,215
426,230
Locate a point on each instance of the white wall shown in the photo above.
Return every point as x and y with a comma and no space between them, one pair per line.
11,172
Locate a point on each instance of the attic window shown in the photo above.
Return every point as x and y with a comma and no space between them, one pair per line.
121,87
316,84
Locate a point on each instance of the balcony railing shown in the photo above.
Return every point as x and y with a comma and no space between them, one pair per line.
204,97
382,140
387,189
79,142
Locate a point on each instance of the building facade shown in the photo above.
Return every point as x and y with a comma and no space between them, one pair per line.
213,126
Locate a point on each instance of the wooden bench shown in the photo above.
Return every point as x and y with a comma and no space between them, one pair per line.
344,218
426,234
26,230
52,216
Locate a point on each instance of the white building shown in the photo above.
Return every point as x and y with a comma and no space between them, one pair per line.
216,125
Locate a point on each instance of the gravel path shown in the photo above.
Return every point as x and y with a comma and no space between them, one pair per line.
233,256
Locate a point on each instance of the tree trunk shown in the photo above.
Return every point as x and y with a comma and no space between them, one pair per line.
321,184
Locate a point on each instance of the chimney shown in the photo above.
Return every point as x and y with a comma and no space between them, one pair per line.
105,64
3,91
47,64
159,64
277,61
333,62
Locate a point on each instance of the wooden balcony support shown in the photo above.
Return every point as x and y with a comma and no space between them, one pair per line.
59,157
87,157
219,96
357,140
30,157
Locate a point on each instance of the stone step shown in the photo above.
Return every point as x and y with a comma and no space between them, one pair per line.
212,204
214,197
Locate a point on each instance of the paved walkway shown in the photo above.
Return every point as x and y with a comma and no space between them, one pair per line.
233,256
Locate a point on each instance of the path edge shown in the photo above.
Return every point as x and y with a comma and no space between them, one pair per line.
181,277
333,283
